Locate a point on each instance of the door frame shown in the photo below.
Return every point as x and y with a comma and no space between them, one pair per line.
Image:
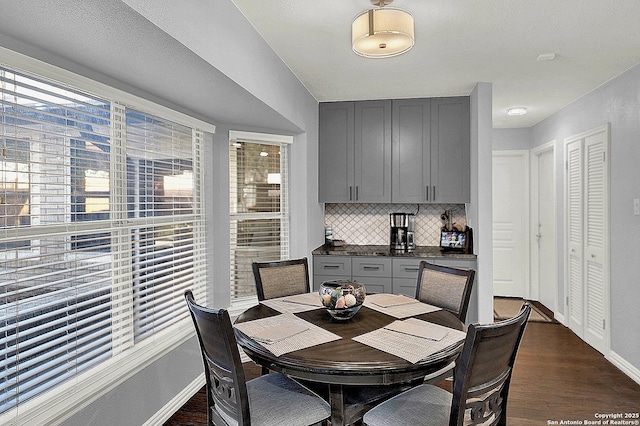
534,216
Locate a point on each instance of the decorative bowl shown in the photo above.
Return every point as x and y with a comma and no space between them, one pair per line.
342,298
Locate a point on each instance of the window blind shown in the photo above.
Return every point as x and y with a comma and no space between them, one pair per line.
101,232
259,209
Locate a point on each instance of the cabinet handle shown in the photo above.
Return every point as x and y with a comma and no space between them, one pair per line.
427,192
371,268
350,193
330,266
411,269
356,192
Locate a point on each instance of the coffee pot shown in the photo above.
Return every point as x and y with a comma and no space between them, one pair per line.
402,231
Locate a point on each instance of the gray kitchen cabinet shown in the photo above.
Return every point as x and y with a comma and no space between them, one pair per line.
405,276
405,271
379,274
355,152
430,150
374,272
327,268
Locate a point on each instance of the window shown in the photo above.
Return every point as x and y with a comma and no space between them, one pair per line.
259,206
102,230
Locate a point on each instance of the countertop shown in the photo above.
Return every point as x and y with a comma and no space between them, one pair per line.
373,250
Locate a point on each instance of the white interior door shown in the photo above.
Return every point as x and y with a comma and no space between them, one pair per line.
587,239
511,223
544,277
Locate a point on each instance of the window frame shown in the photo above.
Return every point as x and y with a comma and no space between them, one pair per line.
73,395
285,142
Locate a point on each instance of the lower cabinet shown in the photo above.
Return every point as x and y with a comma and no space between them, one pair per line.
405,271
373,272
405,276
379,274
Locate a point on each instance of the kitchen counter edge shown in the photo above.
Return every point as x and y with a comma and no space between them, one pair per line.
375,250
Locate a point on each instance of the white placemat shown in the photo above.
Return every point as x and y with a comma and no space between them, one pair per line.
410,347
294,304
417,327
400,311
385,300
306,334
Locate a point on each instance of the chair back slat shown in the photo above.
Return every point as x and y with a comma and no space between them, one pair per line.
227,398
281,278
483,371
446,287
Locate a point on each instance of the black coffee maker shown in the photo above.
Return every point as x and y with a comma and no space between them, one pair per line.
402,231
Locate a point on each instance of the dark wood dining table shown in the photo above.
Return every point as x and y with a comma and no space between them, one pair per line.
346,367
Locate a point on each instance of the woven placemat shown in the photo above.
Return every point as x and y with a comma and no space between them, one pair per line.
294,304
400,311
411,348
312,336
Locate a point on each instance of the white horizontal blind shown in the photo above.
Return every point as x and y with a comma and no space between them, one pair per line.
259,213
160,215
97,211
55,279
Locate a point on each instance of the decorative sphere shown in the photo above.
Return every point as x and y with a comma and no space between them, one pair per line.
342,298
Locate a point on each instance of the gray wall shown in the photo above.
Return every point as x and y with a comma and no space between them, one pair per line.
618,103
512,139
228,76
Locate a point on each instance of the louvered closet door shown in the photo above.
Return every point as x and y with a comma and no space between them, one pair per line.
587,206
574,235
595,276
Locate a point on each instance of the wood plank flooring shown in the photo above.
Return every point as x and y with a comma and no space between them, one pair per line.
557,377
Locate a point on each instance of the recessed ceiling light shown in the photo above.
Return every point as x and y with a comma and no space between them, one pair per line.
546,57
517,111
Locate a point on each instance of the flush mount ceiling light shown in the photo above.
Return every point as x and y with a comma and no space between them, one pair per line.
382,32
517,111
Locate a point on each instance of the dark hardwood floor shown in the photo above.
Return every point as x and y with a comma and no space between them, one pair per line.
556,377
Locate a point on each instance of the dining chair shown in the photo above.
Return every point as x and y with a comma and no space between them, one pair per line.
480,385
446,287
281,278
268,400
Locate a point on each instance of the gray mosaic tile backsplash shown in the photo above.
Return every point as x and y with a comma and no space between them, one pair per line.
369,223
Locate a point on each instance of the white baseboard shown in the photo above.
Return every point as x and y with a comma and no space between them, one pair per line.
559,317
165,413
625,366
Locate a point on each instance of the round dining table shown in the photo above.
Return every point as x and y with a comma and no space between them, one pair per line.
355,376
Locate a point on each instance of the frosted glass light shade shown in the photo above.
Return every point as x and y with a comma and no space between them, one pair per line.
383,32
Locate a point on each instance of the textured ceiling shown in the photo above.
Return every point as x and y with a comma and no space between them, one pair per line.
459,43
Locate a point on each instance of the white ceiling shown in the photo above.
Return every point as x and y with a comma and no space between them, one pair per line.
459,43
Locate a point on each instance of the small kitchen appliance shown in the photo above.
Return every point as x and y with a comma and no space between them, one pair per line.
402,237
457,241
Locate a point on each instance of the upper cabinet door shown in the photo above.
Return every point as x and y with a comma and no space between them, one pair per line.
450,150
372,171
355,152
336,152
411,151
400,151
